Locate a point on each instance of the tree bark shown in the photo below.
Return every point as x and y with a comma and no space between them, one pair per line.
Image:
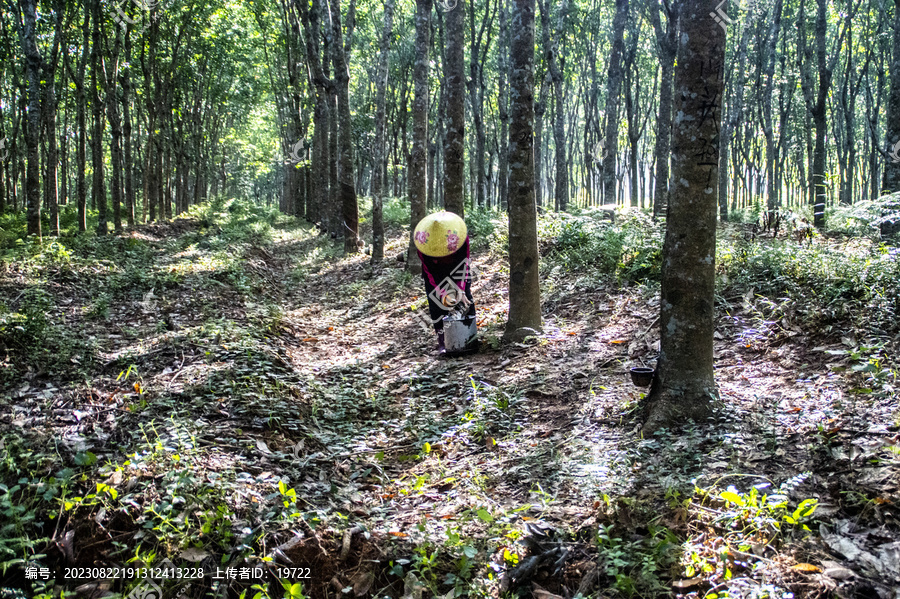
98,191
454,142
665,39
613,89
111,75
551,48
732,120
347,179
502,108
126,133
769,130
28,38
684,385
891,175
378,150
524,285
418,160
540,108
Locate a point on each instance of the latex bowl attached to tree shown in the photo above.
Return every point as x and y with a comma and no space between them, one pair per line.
642,376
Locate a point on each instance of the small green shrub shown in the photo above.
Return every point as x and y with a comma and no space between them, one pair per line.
628,251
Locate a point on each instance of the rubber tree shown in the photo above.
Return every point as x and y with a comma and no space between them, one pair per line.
524,288
418,160
378,151
684,387
454,142
346,172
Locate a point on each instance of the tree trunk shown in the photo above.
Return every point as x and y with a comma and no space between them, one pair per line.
81,124
33,62
418,160
502,108
667,47
98,191
684,384
524,285
111,75
126,133
613,87
771,47
891,175
732,120
320,208
540,108
48,112
551,47
378,150
454,143
347,182
816,103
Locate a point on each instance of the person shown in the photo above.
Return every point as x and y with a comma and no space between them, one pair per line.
442,242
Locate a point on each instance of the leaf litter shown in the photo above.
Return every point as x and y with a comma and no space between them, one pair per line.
290,413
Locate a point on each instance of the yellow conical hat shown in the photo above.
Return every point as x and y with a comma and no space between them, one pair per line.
440,234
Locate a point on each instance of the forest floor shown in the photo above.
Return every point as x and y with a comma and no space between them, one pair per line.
229,392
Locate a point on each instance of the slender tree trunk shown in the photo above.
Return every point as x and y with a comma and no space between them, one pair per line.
540,108
771,47
378,150
111,75
524,286
502,108
347,183
613,89
98,191
454,143
418,160
684,385
81,126
551,47
731,122
51,183
126,133
816,102
33,64
310,18
667,47
891,180
48,112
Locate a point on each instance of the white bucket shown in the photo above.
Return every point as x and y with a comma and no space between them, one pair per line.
457,334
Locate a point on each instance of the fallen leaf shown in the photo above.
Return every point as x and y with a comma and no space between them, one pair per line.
362,583
310,339
687,583
192,554
804,567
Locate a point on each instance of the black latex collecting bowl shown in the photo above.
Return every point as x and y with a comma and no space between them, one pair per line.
642,377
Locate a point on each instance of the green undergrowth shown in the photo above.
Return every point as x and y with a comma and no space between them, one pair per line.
222,447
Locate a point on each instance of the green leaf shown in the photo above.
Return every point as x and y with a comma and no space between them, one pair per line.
85,458
732,497
484,516
805,509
